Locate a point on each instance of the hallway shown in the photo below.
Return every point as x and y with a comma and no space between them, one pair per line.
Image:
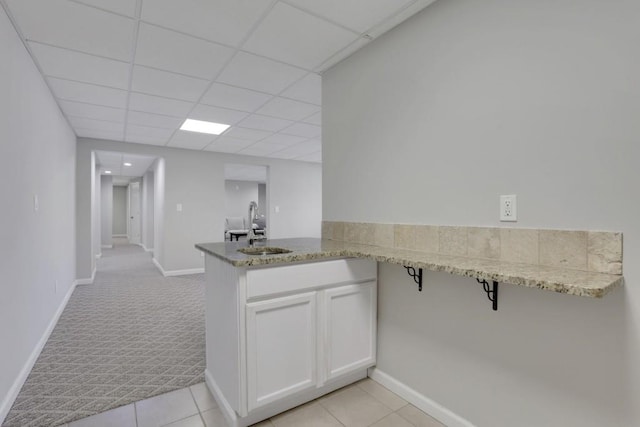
131,335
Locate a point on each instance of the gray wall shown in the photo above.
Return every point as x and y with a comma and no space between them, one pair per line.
196,180
147,210
430,124
37,157
238,195
119,210
106,209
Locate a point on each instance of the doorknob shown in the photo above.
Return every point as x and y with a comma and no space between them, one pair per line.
131,217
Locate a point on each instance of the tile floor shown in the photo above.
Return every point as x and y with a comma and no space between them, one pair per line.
363,404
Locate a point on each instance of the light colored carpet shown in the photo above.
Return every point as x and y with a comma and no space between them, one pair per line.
131,335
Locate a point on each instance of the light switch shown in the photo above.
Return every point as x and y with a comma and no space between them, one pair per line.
179,207
277,209
36,203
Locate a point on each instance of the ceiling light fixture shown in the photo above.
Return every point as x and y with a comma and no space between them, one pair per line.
127,164
203,127
107,172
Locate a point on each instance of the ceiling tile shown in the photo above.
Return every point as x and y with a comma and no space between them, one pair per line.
148,131
99,134
172,51
75,26
316,119
281,139
248,134
81,67
261,149
359,15
288,109
241,143
306,147
91,94
309,89
148,140
217,114
79,109
223,21
315,158
256,121
190,140
159,105
100,125
222,95
254,72
296,37
123,7
164,83
303,129
153,120
227,144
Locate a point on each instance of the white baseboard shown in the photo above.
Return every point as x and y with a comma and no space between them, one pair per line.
168,273
118,235
184,272
420,401
88,281
7,402
146,249
106,246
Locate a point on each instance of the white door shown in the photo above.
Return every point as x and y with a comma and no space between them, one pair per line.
135,224
350,316
281,348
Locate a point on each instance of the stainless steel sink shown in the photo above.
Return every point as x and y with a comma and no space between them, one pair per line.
264,250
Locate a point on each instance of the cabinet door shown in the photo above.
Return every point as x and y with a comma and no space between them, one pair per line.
349,328
281,347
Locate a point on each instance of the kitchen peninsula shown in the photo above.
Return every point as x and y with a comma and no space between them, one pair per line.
285,328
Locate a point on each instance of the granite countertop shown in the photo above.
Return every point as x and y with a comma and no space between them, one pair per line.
560,280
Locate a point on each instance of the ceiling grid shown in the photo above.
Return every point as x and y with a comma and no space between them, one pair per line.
134,70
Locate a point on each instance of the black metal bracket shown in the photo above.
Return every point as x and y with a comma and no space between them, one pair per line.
417,277
492,292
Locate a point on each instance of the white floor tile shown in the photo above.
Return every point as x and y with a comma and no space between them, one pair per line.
309,415
124,416
353,407
203,397
192,421
166,408
214,418
385,396
418,418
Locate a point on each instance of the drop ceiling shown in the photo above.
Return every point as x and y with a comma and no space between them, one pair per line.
123,166
134,70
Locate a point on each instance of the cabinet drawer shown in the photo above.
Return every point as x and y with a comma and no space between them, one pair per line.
291,278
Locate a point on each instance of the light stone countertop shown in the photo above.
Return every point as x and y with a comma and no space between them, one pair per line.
566,281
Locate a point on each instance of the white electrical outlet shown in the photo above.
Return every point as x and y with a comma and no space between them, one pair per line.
508,208
179,207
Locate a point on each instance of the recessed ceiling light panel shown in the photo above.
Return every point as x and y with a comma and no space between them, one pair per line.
203,127
127,164
107,172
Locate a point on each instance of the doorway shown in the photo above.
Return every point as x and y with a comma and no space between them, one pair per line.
244,184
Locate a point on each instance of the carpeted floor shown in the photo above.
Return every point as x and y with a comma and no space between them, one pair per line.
131,335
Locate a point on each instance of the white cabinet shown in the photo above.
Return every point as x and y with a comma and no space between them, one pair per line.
279,336
349,328
281,348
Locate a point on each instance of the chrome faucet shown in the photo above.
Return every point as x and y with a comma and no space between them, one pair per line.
251,235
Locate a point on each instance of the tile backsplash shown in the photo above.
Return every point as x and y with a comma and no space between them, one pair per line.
595,251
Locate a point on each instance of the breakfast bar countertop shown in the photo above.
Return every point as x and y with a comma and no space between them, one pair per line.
567,281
